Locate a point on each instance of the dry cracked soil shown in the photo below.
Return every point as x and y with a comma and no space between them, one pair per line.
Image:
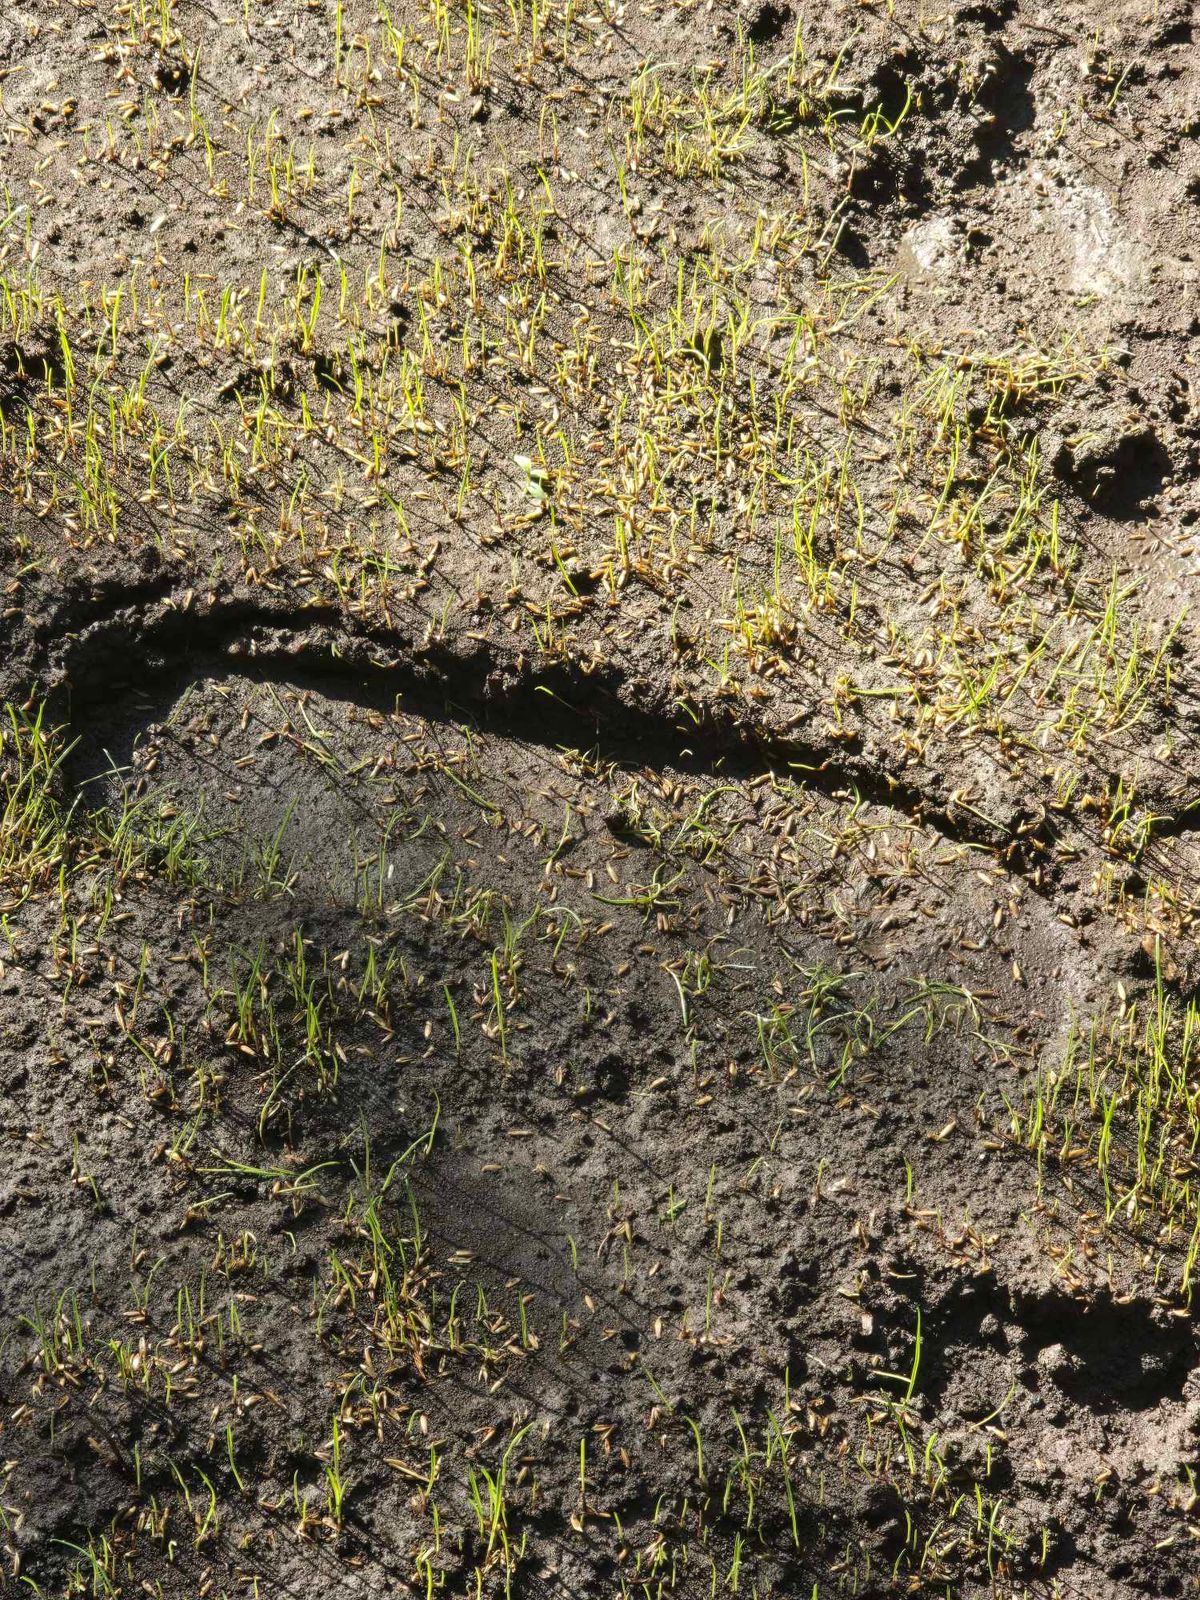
599,799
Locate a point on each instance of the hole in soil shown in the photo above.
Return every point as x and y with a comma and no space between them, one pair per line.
1119,477
171,76
611,1079
968,1321
768,23
251,383
708,349
886,91
1008,108
327,369
990,16
13,402
851,248
891,170
893,86
36,364
1108,1356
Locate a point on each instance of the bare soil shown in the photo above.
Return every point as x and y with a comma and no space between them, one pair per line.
599,799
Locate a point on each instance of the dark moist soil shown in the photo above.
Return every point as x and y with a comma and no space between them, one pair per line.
533,1071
